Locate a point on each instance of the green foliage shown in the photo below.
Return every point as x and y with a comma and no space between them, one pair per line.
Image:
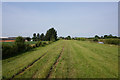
42,37
28,47
49,42
39,43
51,35
20,46
109,36
34,37
112,41
6,49
95,39
105,36
68,38
38,36
52,38
28,38
20,43
17,47
44,43
81,39
96,36
30,42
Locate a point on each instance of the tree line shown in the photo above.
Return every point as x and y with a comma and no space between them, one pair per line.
20,46
51,35
95,37
105,36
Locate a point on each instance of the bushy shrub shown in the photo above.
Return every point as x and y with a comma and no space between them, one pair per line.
20,43
49,42
82,39
101,40
6,50
18,47
28,47
33,45
112,41
95,39
39,43
44,43
90,39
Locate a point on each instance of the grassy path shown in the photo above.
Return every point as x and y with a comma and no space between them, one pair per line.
12,66
65,59
83,59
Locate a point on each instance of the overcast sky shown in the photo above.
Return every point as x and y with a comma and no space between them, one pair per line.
77,19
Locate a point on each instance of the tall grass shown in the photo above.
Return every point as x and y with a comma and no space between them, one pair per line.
111,41
11,49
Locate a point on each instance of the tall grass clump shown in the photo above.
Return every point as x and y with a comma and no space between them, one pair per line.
40,43
112,41
81,39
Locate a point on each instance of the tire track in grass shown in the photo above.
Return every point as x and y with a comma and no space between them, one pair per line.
54,64
31,64
21,71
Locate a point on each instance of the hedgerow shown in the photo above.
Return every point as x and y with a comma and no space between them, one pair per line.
19,46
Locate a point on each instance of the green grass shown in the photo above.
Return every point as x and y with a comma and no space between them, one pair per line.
11,43
88,60
14,64
31,42
7,43
79,59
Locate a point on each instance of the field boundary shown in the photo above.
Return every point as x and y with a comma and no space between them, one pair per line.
21,71
55,63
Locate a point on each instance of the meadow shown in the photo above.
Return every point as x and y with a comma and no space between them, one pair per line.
64,59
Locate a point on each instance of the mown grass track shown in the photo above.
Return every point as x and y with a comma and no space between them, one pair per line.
82,59
79,59
42,68
12,66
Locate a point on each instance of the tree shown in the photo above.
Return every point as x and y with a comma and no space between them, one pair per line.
96,36
51,33
105,36
42,37
34,37
102,37
95,39
110,36
115,37
28,38
68,38
38,36
52,38
20,43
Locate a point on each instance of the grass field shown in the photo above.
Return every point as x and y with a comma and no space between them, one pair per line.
65,59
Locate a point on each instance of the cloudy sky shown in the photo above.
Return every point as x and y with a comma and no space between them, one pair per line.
77,19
